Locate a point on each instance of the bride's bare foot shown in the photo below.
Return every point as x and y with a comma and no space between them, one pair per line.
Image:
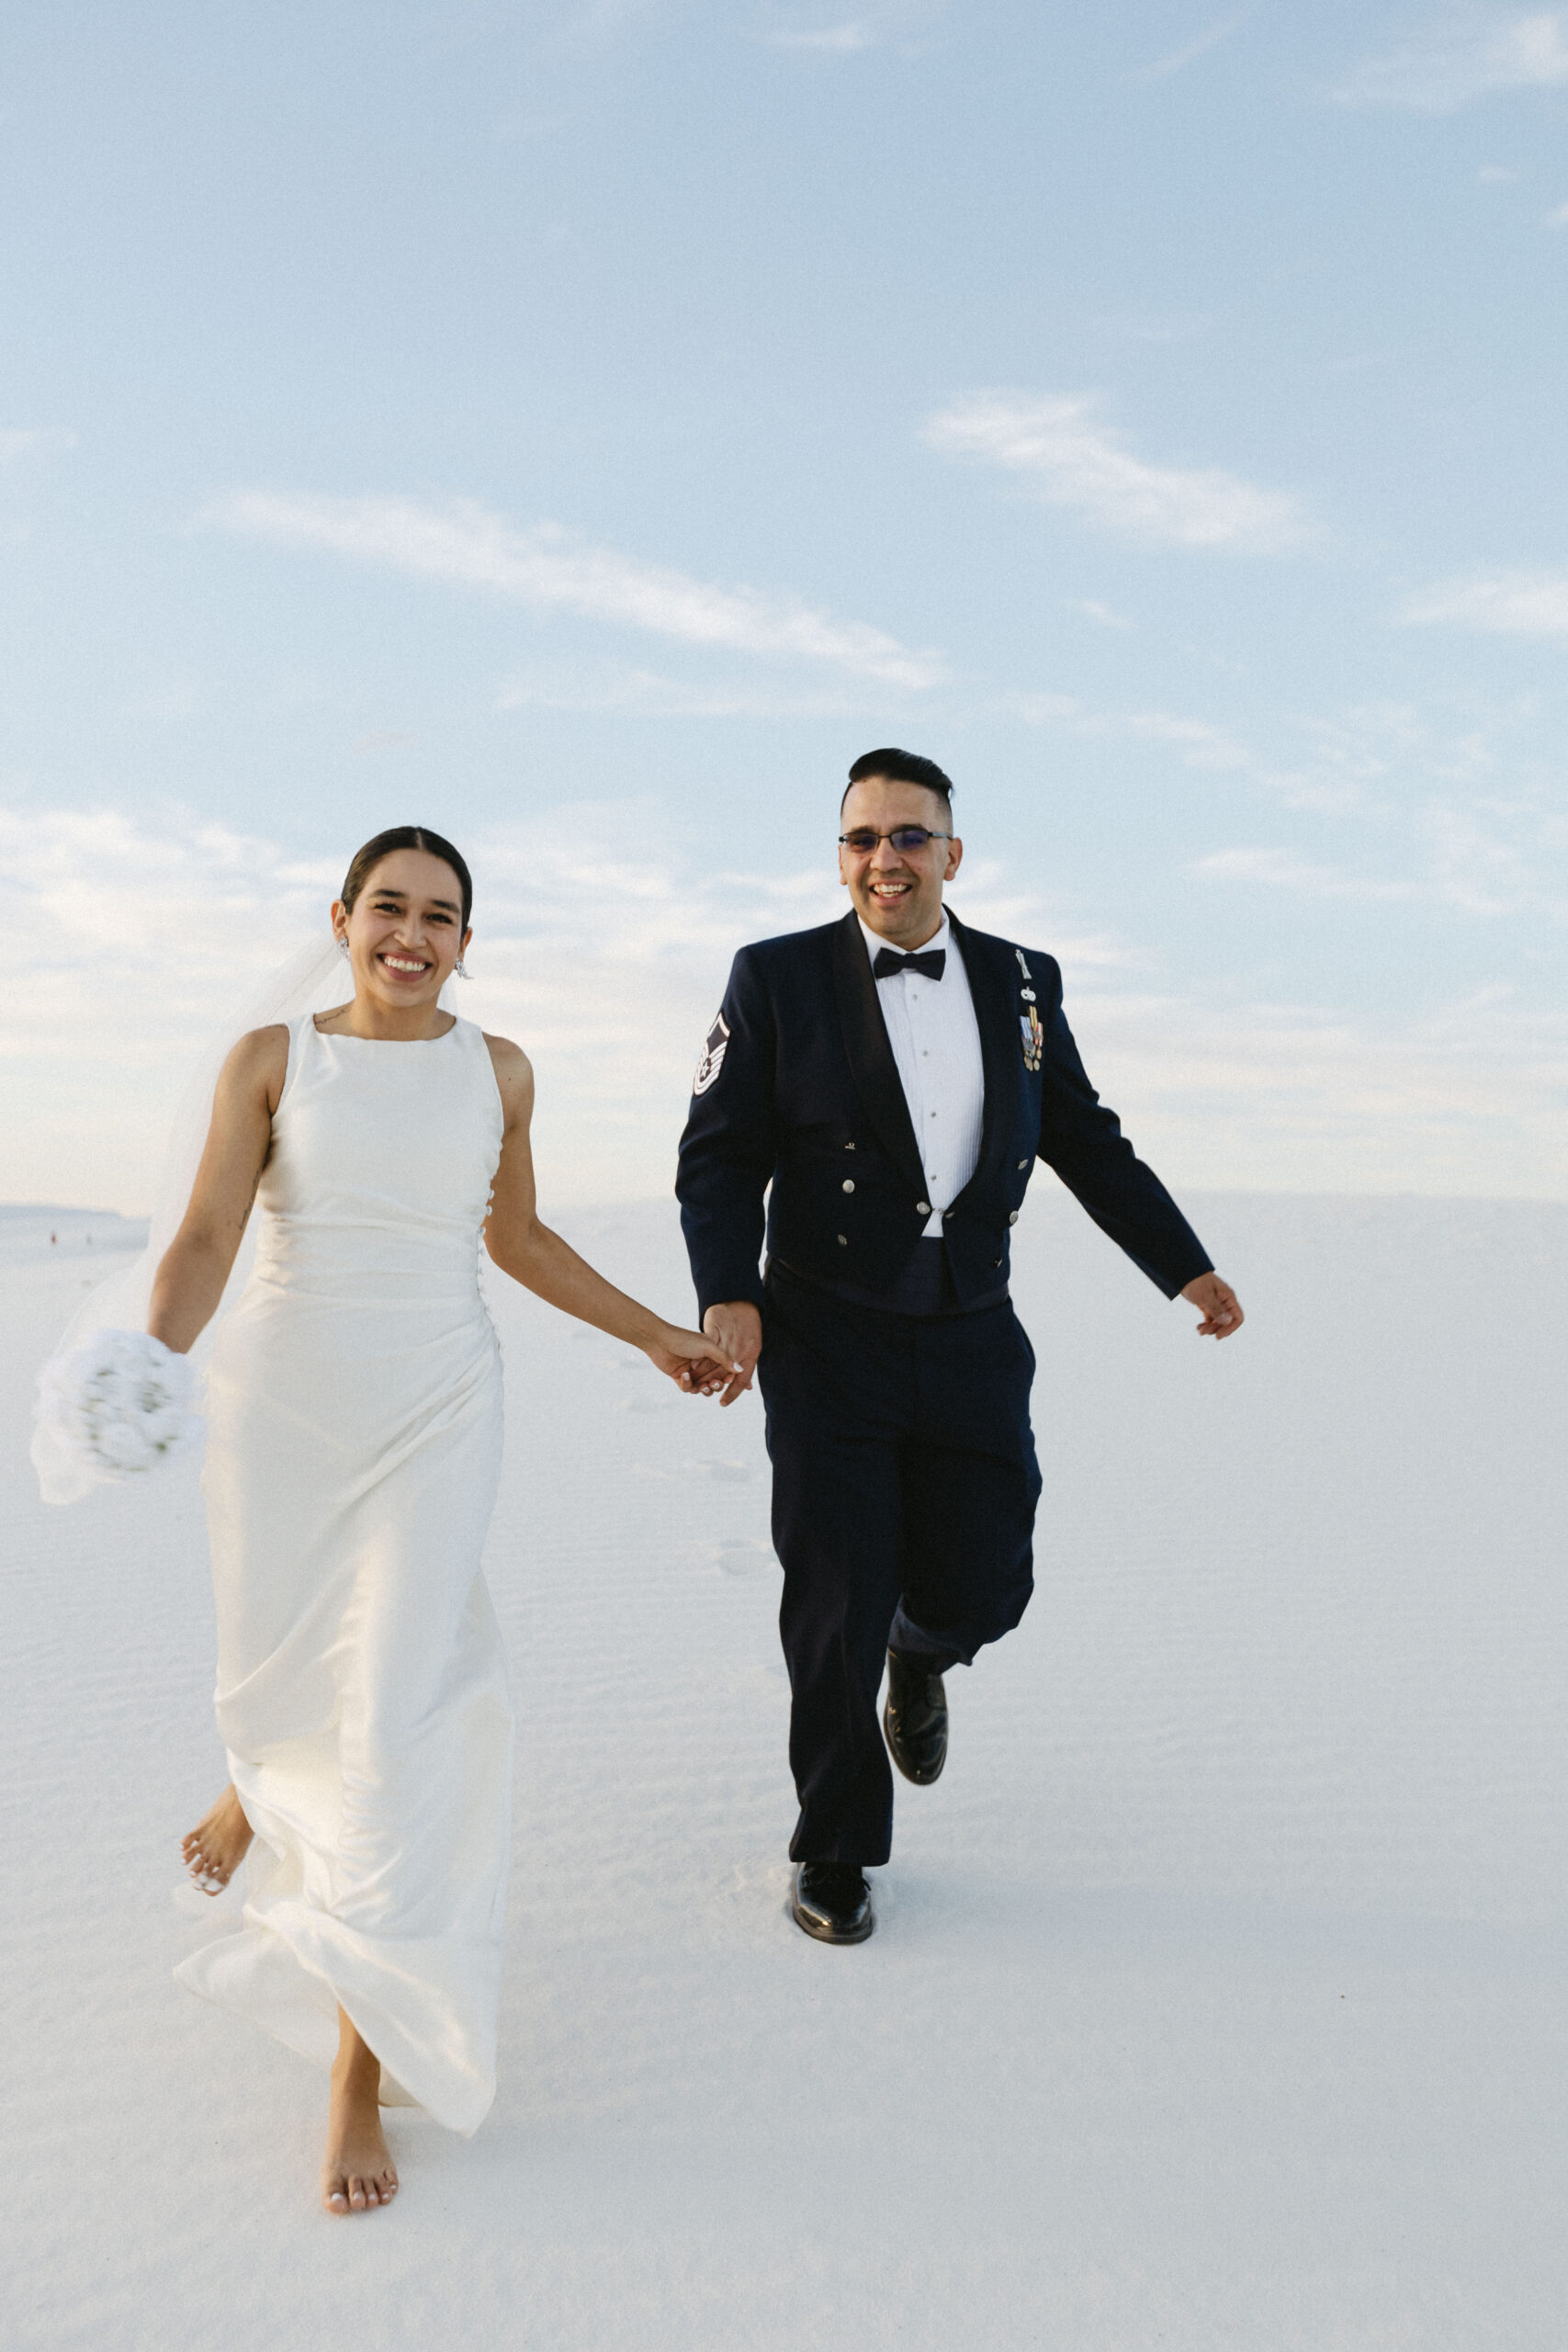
357,2171
216,1847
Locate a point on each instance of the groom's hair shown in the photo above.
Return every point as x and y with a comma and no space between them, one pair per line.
899,767
365,861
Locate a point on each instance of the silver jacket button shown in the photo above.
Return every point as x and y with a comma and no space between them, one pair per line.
849,1184
843,1240
1012,1216
923,1208
1023,1163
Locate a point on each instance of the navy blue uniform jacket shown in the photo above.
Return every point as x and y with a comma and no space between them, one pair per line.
797,1089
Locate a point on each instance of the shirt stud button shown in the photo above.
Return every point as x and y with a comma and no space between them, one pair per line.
849,1184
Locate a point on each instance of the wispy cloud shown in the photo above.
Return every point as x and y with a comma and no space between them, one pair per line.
18,442
1093,610
550,570
829,34
1304,1096
1507,603
1464,55
1274,869
833,40
649,694
598,947
1070,459
1189,53
1197,743
605,963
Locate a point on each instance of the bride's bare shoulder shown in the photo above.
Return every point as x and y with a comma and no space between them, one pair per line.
513,1070
259,1057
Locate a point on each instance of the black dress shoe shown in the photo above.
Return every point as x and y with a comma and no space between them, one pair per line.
832,1902
915,1718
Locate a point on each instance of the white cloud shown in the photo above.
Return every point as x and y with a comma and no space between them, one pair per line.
647,694
18,442
1277,871
1197,742
1464,56
547,568
1508,602
824,34
603,954
605,959
1199,46
1093,610
834,40
1465,1099
1071,459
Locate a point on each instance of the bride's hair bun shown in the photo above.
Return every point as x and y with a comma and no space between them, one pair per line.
365,861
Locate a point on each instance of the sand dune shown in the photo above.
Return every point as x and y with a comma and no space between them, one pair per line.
1218,1995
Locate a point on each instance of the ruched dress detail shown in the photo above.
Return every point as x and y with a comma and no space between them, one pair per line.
355,1437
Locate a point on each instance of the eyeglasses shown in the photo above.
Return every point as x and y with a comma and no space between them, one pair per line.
906,838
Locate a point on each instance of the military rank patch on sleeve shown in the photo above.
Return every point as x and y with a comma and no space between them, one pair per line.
715,1046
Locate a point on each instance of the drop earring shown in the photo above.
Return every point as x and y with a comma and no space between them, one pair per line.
344,949
460,968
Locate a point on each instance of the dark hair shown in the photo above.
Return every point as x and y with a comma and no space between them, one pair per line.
365,861
900,767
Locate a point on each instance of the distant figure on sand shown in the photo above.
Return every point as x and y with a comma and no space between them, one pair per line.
893,1078
355,1420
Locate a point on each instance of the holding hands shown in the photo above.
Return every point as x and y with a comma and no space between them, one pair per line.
698,1366
735,1334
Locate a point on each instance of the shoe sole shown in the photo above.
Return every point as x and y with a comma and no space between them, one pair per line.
821,1935
920,1779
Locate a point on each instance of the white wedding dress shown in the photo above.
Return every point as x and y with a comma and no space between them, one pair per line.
355,1420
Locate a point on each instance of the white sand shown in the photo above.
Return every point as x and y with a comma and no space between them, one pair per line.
1218,1993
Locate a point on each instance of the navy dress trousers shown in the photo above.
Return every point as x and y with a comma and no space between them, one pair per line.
895,1374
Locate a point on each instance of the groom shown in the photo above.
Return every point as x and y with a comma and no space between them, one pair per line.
894,1077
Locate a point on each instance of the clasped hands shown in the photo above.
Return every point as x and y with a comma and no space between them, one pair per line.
735,1333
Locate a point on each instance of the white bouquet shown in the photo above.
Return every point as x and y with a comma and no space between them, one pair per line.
117,1404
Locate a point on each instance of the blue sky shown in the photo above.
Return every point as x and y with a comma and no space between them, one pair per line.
587,427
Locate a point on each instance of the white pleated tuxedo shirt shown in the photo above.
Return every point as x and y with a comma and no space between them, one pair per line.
936,1043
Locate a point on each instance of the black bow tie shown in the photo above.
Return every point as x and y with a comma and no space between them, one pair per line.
929,963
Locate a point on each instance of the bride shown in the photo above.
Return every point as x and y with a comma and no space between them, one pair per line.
354,1417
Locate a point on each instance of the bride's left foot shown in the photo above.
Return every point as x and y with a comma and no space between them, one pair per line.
357,2171
216,1847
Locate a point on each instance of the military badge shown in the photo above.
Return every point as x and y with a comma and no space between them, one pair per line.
715,1046
1033,1038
